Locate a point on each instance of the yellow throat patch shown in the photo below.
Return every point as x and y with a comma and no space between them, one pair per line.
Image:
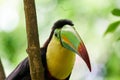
60,61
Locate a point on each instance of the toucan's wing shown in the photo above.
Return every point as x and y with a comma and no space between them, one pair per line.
21,72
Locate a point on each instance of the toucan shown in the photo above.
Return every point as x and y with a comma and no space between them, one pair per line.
58,54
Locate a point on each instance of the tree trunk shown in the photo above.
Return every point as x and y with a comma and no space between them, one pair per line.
2,73
33,50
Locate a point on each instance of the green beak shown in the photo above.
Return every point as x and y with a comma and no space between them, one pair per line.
71,40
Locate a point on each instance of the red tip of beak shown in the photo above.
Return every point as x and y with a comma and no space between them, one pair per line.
83,53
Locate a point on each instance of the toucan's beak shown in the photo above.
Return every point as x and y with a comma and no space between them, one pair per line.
71,40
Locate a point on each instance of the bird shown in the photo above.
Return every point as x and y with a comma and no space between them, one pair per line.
58,54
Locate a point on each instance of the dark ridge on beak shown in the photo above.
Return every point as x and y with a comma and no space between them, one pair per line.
61,23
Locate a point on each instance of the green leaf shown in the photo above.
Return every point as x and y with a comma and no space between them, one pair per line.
112,27
116,12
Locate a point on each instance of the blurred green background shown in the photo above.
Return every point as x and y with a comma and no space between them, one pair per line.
91,19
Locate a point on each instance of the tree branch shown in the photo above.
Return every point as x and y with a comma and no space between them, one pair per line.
2,73
33,50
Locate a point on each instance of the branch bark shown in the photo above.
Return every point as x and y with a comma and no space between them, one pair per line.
33,50
2,73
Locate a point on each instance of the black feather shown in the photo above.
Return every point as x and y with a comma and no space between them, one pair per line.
61,23
21,72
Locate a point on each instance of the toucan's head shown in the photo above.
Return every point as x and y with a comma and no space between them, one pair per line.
64,31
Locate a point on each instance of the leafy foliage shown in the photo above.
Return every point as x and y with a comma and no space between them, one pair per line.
112,65
116,12
112,27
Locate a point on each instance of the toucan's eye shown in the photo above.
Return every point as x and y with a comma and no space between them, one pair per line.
56,34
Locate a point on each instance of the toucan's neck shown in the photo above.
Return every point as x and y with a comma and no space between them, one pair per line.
60,61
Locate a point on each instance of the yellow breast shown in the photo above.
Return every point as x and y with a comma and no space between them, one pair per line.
60,61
